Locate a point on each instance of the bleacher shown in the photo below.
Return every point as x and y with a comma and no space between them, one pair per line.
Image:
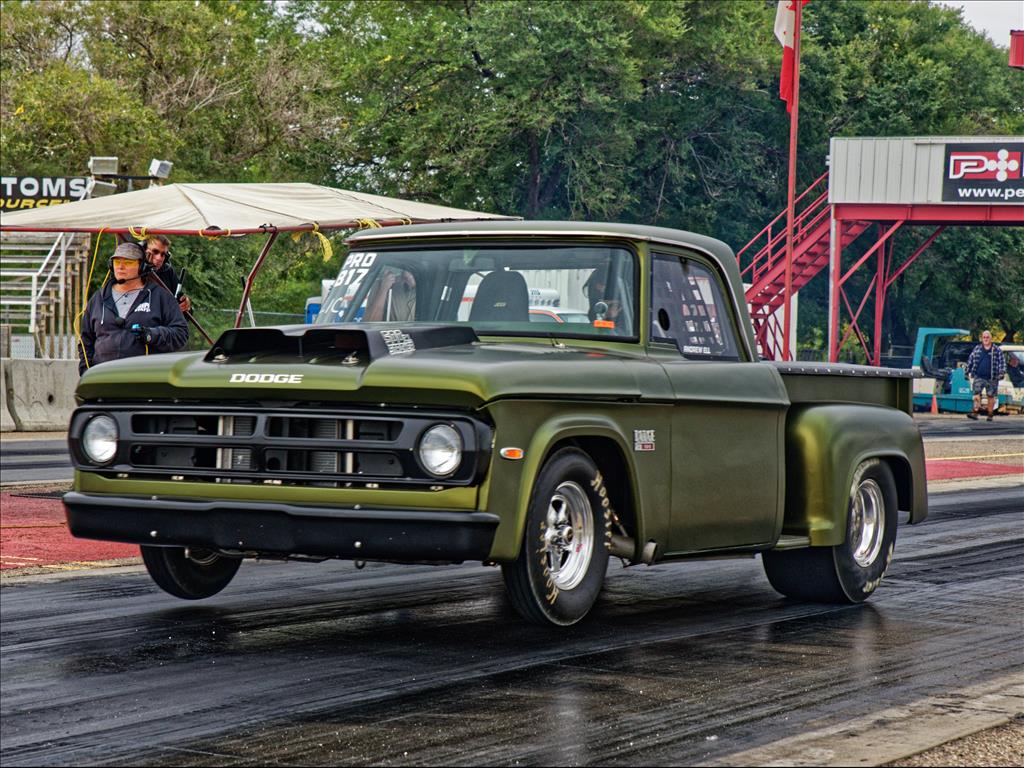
42,281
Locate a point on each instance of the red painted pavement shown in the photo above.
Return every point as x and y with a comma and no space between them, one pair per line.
34,532
949,470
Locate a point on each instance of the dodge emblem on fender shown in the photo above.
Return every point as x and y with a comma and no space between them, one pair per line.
643,439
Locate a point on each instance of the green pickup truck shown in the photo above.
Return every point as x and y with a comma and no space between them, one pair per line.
428,416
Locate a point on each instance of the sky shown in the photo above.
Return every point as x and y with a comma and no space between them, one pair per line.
993,17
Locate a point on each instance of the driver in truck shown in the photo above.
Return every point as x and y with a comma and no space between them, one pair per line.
393,298
604,309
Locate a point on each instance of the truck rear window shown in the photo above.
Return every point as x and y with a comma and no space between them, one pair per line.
688,309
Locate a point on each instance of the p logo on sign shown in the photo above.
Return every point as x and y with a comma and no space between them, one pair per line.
265,378
1001,165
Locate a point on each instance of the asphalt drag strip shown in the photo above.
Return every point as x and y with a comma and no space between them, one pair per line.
679,664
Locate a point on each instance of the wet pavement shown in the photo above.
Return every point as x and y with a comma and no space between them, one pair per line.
679,664
35,457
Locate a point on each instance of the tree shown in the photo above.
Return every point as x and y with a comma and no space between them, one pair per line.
873,68
54,119
652,111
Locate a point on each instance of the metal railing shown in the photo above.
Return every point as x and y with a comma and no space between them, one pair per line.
38,291
805,220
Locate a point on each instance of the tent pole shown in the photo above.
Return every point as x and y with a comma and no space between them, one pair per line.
188,315
252,276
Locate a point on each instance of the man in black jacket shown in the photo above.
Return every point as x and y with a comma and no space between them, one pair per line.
158,253
128,316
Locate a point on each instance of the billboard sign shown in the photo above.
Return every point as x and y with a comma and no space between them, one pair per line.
984,173
23,192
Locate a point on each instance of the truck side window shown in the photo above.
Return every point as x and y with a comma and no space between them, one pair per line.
688,309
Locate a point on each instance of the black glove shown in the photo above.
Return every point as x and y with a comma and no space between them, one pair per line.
142,332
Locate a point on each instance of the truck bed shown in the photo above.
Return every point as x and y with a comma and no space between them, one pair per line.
845,383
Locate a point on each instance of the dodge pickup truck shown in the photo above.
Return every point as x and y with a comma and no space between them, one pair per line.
642,426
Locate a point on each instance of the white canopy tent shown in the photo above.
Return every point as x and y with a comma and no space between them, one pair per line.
231,210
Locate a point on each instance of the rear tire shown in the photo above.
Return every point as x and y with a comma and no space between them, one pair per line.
851,571
202,574
562,562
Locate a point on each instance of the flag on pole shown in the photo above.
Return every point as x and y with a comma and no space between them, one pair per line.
785,28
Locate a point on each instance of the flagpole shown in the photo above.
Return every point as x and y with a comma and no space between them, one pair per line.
787,310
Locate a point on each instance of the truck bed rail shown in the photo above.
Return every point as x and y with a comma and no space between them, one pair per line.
846,369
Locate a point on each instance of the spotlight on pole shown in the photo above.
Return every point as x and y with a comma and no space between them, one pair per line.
103,166
100,188
160,169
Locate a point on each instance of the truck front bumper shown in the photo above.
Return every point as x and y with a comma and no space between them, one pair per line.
283,529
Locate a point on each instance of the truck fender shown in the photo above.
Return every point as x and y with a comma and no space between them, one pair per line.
824,446
509,536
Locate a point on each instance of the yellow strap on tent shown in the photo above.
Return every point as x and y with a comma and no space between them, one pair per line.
367,224
218,236
140,235
324,242
85,297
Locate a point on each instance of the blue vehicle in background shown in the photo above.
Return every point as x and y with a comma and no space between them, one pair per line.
313,303
941,355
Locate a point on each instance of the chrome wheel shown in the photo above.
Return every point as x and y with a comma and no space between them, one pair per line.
560,568
568,538
867,522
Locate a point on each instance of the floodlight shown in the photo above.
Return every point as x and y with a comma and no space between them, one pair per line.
100,188
161,169
103,166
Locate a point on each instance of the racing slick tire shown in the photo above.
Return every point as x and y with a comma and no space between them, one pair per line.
851,571
562,562
201,573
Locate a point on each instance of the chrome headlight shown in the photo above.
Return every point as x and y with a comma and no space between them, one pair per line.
441,450
99,439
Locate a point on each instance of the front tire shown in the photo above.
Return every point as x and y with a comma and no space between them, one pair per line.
851,571
199,574
562,562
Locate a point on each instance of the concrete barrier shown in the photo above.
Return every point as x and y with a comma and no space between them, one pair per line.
41,393
6,422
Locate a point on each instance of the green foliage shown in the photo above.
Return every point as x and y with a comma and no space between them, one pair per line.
653,111
56,118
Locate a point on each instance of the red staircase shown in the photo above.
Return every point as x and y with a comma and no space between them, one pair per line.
766,270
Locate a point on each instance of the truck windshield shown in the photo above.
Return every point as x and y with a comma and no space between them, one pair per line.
574,290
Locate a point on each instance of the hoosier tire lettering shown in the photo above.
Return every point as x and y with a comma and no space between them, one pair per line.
609,513
851,571
560,569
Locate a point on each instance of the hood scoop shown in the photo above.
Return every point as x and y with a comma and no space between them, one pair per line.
349,344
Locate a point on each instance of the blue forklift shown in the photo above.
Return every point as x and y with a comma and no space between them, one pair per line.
942,359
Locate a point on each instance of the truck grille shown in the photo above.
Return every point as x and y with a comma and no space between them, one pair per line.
316,448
